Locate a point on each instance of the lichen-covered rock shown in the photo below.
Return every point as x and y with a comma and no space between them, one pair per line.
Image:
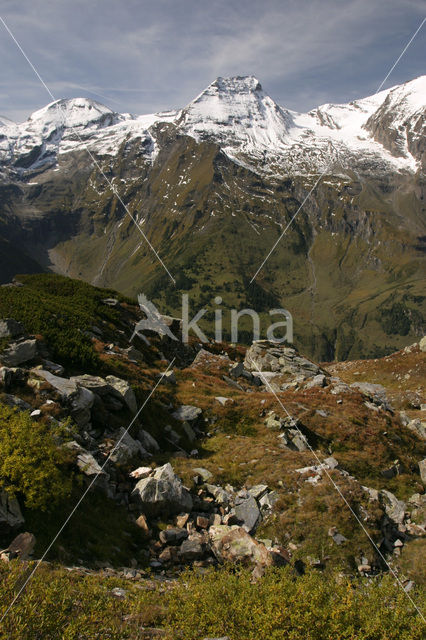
94,383
187,413
233,544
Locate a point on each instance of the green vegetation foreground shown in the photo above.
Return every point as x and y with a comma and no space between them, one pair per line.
58,604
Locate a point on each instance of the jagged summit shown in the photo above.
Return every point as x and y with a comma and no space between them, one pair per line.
239,115
236,84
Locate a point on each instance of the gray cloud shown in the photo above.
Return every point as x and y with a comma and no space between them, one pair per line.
148,55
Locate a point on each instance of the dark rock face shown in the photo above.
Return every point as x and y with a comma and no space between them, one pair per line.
173,536
10,328
191,550
10,513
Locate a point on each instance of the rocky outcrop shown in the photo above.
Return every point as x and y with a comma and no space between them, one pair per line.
79,399
280,359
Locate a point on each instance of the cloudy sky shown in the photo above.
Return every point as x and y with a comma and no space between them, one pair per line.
148,55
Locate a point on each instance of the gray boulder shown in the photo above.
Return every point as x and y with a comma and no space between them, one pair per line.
163,493
221,496
53,367
81,405
173,536
317,381
19,352
204,474
376,392
236,370
267,501
65,387
89,466
167,377
189,432
248,513
22,546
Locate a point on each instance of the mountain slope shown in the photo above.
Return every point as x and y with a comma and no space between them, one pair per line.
213,186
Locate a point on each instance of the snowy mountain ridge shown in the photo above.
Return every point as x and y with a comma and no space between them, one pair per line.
244,121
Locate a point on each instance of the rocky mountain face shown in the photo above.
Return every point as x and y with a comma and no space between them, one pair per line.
213,470
213,186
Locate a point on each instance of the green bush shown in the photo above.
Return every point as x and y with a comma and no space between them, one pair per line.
396,319
31,463
61,605
281,607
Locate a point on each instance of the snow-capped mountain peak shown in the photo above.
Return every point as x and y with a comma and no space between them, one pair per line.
75,112
238,114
